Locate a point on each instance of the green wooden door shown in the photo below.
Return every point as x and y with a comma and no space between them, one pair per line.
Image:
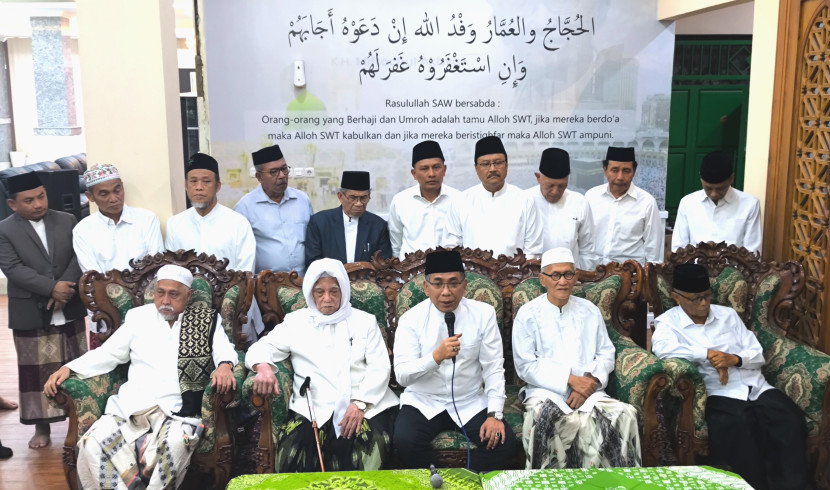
710,96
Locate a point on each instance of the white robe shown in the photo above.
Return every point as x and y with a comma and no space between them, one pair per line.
550,344
479,366
625,228
503,221
567,223
417,224
223,233
151,346
736,220
104,245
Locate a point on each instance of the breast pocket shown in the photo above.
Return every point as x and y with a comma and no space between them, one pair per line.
470,350
632,224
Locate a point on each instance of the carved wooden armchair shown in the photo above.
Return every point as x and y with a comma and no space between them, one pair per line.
639,377
109,296
762,293
280,293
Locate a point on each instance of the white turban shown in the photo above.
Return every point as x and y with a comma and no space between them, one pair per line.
175,273
558,255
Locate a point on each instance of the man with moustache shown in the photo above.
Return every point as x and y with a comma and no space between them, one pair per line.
718,212
278,214
495,215
348,233
418,215
754,428
627,223
210,227
45,312
565,214
151,427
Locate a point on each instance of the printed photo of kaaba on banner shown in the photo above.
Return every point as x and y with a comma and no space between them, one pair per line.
380,76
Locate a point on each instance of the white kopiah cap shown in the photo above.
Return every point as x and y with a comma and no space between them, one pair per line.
175,273
558,255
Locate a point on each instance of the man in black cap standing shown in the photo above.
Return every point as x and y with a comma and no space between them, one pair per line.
753,427
627,223
348,233
495,215
45,312
418,215
718,212
565,214
278,214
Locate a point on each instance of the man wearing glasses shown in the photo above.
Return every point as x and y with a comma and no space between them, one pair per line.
278,214
495,215
454,375
348,233
754,428
562,350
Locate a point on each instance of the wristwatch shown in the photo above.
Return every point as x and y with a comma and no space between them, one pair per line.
496,415
360,405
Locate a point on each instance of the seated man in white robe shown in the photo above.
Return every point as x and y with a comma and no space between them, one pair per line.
562,350
341,351
754,428
151,427
449,356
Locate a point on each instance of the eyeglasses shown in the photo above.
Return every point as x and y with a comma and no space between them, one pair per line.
568,275
353,199
494,164
452,285
706,298
279,170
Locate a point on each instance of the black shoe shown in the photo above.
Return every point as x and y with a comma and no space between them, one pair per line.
5,453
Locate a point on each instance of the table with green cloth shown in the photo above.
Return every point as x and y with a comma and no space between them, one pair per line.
666,477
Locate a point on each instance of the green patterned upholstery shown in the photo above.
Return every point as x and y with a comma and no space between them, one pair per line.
365,296
796,369
90,395
479,288
634,366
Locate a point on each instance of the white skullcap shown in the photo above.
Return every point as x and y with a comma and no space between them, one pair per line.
175,273
558,255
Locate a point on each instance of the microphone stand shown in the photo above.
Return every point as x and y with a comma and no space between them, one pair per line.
305,390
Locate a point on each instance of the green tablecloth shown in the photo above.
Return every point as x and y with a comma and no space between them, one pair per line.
670,477
381,480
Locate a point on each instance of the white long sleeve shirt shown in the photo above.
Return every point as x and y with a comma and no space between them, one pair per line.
676,335
480,361
223,233
417,224
628,227
567,223
550,344
325,353
151,346
736,220
103,245
503,221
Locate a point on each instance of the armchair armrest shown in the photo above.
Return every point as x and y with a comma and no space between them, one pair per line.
86,399
214,407
273,411
684,409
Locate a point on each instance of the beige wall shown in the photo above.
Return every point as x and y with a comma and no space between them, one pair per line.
734,19
131,98
674,9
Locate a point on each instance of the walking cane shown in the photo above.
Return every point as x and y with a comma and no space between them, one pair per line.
305,390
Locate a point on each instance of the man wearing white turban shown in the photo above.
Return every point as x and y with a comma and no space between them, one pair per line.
342,351
151,427
562,350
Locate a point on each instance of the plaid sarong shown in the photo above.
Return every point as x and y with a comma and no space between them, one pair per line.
40,353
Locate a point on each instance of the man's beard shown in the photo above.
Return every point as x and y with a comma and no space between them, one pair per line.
204,205
168,313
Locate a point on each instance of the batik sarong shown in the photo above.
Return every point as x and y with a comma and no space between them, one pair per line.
367,451
605,437
40,352
148,451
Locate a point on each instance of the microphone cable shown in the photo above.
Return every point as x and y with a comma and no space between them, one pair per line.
452,393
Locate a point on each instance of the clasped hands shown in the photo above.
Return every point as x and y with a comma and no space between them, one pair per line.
61,294
581,388
722,362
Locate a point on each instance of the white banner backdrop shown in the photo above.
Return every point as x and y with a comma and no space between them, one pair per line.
383,75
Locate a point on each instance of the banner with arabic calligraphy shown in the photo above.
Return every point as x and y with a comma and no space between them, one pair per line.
383,75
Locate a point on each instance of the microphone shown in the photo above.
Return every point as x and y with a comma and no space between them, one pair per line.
436,480
305,385
449,318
